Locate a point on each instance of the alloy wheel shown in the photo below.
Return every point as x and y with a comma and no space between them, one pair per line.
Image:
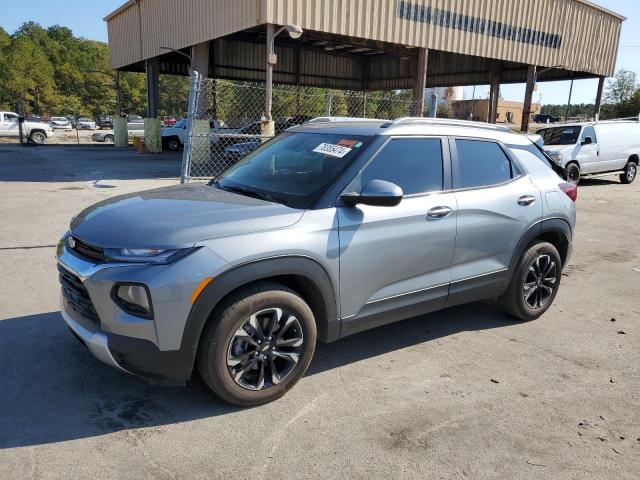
265,349
631,172
540,282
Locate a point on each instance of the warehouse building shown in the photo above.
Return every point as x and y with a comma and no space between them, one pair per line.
480,109
368,45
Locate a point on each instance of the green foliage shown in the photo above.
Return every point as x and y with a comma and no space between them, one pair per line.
49,71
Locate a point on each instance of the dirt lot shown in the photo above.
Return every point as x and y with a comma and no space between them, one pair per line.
464,393
70,137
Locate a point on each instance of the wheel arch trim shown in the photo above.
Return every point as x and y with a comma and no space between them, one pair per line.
262,269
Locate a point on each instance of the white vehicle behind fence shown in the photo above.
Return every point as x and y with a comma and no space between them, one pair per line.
60,123
37,132
595,148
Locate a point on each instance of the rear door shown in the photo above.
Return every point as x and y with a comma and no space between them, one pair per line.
497,204
394,258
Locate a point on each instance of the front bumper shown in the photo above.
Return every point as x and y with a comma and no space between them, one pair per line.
152,349
96,342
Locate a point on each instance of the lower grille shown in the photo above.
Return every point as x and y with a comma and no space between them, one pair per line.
77,295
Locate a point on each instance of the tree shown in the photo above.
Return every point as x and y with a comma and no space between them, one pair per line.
622,87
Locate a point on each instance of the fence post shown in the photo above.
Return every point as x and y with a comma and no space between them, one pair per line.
191,112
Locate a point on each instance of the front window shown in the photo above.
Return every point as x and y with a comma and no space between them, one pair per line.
560,135
293,168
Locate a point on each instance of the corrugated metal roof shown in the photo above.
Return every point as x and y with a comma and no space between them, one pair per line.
575,33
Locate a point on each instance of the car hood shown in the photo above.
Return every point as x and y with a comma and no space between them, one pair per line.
177,216
556,148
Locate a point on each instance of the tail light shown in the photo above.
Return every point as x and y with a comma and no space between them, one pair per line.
570,189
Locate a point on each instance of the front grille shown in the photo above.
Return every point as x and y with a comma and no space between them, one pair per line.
87,250
77,296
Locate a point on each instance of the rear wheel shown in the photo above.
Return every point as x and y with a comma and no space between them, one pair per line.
630,172
258,344
38,137
573,173
535,282
108,138
172,143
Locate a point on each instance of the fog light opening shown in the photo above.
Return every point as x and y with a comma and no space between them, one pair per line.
134,299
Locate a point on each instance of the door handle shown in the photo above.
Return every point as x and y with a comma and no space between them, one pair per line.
526,200
437,213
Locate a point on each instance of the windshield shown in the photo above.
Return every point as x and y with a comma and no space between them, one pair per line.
293,168
181,123
560,135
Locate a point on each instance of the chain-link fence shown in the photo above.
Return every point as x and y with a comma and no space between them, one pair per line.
224,117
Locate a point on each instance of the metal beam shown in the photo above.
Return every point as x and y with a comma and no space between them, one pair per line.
528,94
419,82
200,56
494,94
598,105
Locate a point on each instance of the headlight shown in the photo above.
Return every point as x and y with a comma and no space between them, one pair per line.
557,157
146,255
134,299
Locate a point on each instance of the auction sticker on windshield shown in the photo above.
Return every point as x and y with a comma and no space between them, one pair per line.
332,150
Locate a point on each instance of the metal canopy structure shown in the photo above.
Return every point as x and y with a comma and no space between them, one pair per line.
371,44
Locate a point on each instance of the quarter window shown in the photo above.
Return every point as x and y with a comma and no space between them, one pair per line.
481,163
414,164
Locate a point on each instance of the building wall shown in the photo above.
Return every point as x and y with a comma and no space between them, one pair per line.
574,33
462,108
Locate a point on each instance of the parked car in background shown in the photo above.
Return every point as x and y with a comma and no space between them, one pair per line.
135,122
34,118
167,121
104,121
585,149
36,132
235,152
544,118
103,136
86,124
239,278
60,123
73,121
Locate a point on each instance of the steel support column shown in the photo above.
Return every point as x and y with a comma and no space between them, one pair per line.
598,105
200,56
494,94
153,86
528,95
420,82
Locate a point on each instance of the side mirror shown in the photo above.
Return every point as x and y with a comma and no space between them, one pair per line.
378,193
587,141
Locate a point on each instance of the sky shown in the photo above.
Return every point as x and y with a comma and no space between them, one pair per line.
84,17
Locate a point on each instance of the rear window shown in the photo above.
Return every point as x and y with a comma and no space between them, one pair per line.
481,163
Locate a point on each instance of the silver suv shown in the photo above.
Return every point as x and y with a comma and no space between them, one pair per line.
326,230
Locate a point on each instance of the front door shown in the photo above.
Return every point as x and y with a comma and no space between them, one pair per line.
497,204
588,154
395,261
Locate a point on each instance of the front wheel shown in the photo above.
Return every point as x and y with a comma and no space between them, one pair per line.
108,138
573,173
535,282
630,172
257,345
37,137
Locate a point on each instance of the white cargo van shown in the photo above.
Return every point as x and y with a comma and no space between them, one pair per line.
595,148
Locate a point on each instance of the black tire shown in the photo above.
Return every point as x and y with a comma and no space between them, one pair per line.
108,138
573,173
530,294
37,137
630,173
172,143
225,341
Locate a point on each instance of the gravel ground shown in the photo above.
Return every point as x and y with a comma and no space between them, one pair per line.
463,393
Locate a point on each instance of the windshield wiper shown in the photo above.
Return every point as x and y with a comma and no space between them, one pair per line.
246,191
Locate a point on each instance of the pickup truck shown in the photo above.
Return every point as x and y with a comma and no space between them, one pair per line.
36,132
174,138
